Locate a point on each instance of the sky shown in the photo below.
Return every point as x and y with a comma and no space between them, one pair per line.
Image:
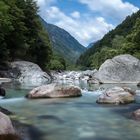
87,20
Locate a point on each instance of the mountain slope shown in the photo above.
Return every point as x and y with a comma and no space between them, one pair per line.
63,43
90,45
113,43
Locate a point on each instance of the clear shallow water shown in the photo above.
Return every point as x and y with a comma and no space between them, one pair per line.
74,118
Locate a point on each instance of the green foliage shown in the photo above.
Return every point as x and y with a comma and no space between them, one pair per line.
105,53
57,63
21,33
5,28
124,39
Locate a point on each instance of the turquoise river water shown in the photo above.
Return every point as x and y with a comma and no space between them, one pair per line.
74,118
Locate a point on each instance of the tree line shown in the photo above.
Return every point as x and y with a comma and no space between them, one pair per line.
23,37
124,39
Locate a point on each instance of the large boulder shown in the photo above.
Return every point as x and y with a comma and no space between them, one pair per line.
117,95
6,126
55,91
28,73
122,68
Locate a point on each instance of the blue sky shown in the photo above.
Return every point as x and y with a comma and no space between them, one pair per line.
87,20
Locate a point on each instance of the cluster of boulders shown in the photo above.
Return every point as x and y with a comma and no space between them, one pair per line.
73,75
114,95
120,69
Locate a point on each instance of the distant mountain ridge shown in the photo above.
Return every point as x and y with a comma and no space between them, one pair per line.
124,39
63,43
90,45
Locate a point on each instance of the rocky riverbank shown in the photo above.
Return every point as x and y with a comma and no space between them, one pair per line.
120,69
14,129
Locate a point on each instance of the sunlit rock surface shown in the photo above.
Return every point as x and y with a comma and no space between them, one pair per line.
73,75
122,68
29,73
55,91
117,95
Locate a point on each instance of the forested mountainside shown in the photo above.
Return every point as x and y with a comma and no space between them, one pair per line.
124,39
63,43
90,45
21,33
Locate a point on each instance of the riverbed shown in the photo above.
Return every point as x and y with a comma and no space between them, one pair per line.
74,118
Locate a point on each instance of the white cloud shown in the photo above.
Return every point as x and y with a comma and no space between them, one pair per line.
75,14
43,4
111,8
85,30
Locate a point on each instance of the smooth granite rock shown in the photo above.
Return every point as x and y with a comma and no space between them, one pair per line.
117,95
122,68
54,91
29,73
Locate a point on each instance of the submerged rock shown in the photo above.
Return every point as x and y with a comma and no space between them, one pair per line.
2,91
29,73
138,85
122,68
6,126
136,114
21,131
55,91
117,95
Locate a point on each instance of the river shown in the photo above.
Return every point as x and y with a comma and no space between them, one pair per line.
74,118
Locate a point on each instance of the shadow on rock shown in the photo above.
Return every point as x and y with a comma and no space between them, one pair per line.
27,132
9,137
126,110
23,131
5,111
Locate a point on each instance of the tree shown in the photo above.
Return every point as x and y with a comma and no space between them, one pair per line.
57,63
5,28
125,38
16,40
38,41
21,33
